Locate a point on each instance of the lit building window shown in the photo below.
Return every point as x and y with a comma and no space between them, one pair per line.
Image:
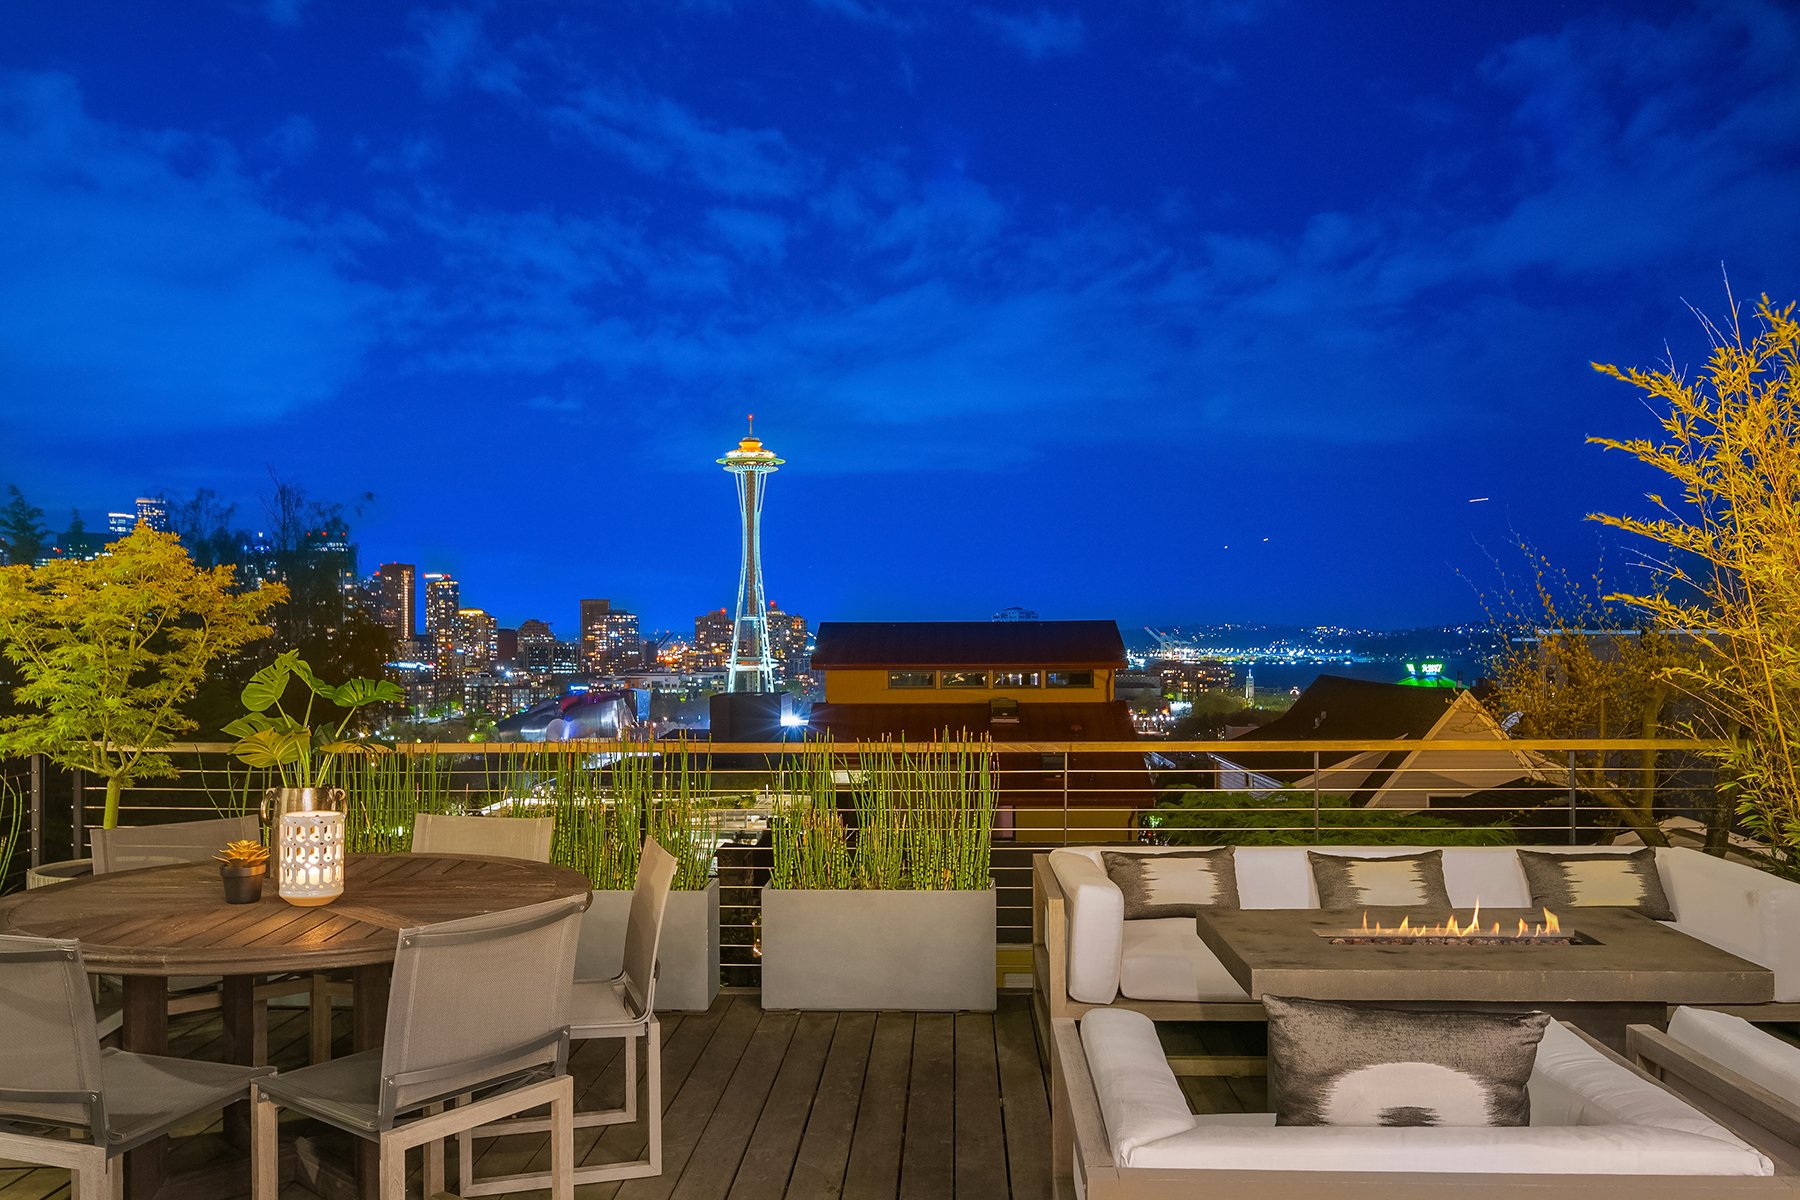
911,679
1015,679
963,679
1069,679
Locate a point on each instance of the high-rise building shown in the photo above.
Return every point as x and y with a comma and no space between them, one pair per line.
788,637
536,646
154,512
397,599
750,664
443,597
610,638
712,640
477,639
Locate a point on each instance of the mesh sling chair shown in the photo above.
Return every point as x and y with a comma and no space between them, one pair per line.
501,837
478,1009
132,847
54,1077
621,1007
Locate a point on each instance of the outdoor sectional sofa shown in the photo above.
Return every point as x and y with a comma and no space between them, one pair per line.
1088,955
1599,1130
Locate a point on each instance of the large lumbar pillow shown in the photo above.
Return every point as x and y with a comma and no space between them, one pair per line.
1400,879
1564,881
1177,884
1339,1064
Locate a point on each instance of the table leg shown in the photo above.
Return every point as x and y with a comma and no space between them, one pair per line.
145,1031
369,986
238,1009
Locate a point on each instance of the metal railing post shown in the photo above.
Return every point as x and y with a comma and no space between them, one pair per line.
1573,824
1317,834
37,810
77,795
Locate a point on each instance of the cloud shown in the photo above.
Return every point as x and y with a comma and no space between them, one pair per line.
293,140
284,13
450,48
150,282
754,235
661,137
1037,34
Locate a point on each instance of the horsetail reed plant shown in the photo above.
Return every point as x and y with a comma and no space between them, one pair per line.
606,807
924,820
810,843
383,794
12,820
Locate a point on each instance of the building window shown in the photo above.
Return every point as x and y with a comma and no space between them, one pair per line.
1015,679
911,679
1069,679
963,679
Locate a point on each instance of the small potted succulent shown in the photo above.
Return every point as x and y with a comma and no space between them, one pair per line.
243,866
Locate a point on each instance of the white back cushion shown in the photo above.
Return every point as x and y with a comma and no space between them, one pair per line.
1139,1098
1737,1045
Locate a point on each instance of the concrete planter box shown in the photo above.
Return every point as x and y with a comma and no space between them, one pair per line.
687,977
922,951
58,872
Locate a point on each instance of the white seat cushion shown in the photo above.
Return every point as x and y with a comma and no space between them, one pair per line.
1164,959
1737,1045
1572,1150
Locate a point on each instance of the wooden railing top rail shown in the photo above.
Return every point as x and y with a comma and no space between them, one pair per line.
1144,746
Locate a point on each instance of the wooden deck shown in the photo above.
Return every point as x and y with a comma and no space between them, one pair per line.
763,1106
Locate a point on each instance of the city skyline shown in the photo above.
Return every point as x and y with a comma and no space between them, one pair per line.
1182,312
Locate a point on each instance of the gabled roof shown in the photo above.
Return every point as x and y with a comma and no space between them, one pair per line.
899,644
1336,708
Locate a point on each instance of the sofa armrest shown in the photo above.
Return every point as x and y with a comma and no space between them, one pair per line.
1739,909
1767,1121
1096,913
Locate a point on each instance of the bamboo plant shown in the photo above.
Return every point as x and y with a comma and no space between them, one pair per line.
924,820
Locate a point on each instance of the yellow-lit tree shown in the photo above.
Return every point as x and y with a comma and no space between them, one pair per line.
1729,569
108,651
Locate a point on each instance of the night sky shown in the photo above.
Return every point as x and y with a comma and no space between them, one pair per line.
1217,310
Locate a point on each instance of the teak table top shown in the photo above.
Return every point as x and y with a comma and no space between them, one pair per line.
1632,959
174,920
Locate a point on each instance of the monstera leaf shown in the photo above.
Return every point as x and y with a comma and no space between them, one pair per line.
266,686
356,693
273,749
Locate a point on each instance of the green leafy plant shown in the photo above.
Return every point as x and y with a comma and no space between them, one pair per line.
1729,540
268,736
923,820
384,793
109,651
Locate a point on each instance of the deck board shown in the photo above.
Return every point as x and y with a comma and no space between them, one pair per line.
766,1106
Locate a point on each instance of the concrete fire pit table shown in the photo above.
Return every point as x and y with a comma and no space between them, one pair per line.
1623,968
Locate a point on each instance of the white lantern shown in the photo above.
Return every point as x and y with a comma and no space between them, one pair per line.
309,844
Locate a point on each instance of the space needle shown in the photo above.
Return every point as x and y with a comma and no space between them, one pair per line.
751,666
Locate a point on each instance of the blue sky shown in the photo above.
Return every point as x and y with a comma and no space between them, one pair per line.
1205,310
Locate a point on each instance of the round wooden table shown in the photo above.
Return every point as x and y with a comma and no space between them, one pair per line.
150,924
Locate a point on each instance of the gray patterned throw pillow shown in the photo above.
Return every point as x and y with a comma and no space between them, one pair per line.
1340,1064
1177,884
1411,880
1563,881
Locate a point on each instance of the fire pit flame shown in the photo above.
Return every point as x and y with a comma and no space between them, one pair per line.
1451,930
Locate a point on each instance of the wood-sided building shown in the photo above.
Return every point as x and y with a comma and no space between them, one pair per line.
1032,686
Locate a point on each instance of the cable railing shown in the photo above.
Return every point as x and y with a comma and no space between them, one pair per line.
1046,794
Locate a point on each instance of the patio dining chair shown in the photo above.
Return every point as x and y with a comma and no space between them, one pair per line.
502,837
54,1076
478,1010
434,833
621,1007
130,847
133,847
